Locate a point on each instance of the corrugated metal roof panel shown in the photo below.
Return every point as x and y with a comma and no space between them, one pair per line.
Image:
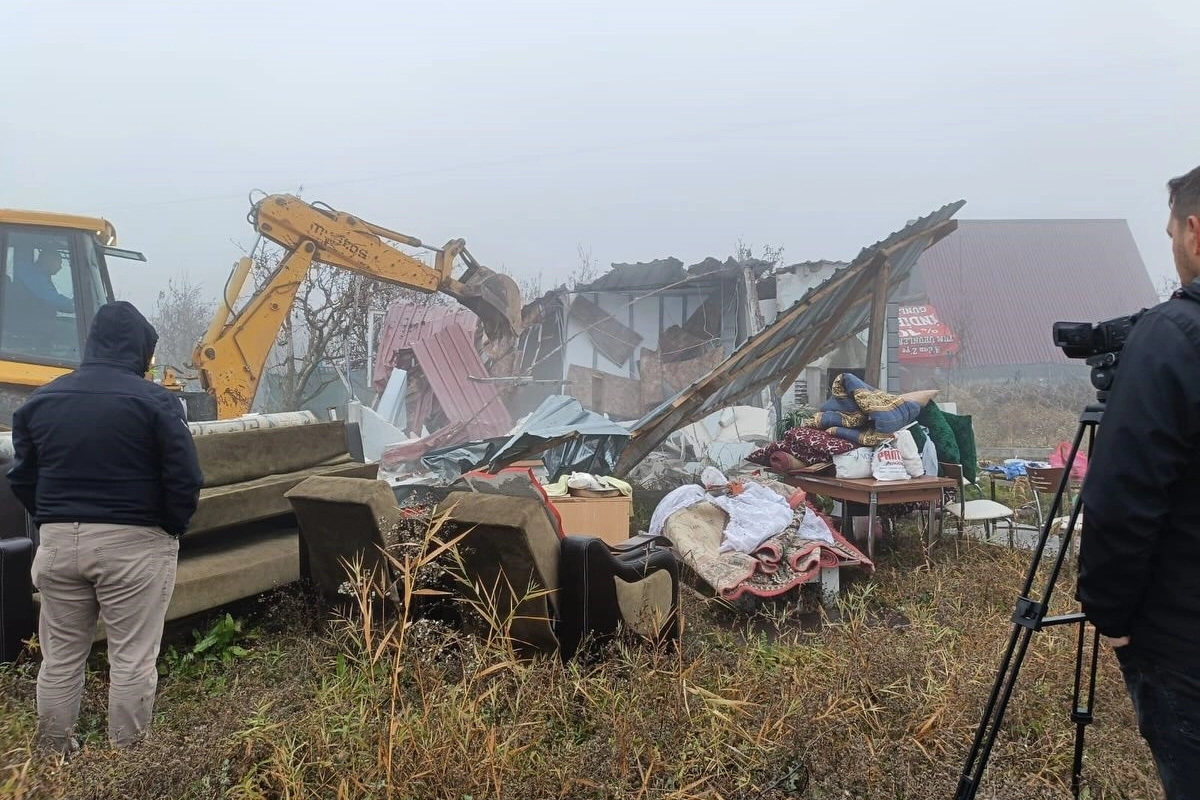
665,272
642,275
407,322
815,324
1000,285
448,360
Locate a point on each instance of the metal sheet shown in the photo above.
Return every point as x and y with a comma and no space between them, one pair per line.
1001,284
408,322
448,360
818,322
569,437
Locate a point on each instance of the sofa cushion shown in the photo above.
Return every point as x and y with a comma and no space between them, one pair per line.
238,456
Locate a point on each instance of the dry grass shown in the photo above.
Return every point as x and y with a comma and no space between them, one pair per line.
879,703
1024,414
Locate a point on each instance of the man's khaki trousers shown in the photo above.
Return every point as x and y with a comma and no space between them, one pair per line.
124,575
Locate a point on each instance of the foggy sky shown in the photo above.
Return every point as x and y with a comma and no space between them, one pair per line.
637,130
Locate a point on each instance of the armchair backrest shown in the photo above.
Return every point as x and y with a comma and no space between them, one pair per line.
1045,479
511,548
343,518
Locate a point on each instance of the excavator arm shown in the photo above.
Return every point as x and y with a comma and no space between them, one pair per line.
233,353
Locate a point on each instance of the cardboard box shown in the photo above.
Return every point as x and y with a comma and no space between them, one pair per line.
606,517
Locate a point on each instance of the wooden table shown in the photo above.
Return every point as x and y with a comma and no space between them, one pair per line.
873,493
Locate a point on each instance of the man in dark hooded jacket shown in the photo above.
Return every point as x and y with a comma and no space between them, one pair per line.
1139,574
106,465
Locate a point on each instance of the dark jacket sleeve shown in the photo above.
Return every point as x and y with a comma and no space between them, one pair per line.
1144,444
23,475
181,477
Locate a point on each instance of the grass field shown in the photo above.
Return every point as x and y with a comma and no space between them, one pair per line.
881,700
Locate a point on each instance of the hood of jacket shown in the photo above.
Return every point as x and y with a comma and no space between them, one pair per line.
120,337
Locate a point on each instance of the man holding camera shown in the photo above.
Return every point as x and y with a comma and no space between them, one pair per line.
1140,545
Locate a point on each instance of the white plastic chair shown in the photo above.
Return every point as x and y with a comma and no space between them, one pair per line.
971,511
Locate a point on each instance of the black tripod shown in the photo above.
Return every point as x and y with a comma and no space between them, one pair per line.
1030,616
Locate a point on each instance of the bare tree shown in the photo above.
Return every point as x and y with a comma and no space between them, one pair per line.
181,315
588,269
770,253
1165,285
531,287
325,337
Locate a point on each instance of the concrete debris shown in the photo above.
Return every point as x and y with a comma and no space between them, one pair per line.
724,438
659,471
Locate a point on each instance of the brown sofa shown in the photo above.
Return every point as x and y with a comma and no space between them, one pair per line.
242,540
584,589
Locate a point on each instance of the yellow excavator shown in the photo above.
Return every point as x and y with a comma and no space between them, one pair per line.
242,540
55,276
233,353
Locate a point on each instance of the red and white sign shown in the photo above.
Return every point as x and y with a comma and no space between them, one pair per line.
924,337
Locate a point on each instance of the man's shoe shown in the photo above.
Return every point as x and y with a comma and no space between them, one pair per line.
64,748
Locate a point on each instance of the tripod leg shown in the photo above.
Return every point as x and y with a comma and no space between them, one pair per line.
993,715
1030,616
1081,705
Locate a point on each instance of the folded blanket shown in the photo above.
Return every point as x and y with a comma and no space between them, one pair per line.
808,445
887,412
776,566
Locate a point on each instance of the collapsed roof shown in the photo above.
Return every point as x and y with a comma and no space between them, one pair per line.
822,319
670,273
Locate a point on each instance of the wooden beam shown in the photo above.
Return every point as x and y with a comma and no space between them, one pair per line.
686,407
878,330
821,340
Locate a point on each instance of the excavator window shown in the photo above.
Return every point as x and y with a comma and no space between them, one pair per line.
38,315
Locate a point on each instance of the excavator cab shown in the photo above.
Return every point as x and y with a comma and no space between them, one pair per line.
54,278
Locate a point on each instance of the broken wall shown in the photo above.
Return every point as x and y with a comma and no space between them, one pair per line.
644,316
614,395
679,335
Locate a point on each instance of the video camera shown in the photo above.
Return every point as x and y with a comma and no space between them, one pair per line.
1099,344
1083,339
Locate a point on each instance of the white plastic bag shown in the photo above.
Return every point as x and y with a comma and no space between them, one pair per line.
854,464
712,477
887,464
584,480
909,453
929,456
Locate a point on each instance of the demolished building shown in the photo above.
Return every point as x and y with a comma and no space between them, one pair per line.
657,346
623,343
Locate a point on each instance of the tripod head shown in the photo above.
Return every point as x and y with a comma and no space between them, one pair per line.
1104,372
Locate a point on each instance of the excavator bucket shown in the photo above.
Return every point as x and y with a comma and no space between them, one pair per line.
495,298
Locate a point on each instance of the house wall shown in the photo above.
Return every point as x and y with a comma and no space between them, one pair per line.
792,284
646,315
